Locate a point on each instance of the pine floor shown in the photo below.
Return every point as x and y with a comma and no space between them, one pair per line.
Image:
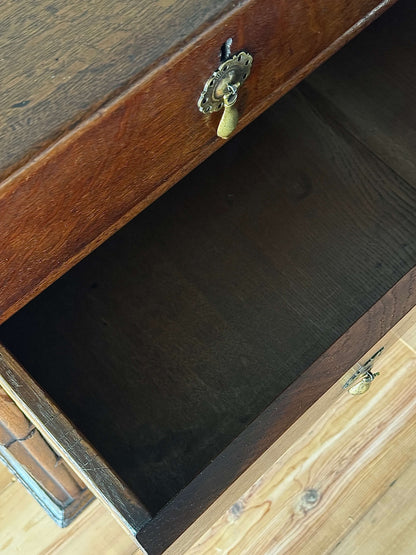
27,530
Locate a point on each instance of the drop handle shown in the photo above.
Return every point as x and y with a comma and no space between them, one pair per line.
221,91
229,118
363,376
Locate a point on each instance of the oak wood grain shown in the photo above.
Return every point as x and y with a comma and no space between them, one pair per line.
84,186
63,60
387,127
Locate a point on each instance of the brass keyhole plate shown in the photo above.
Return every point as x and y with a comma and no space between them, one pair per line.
230,75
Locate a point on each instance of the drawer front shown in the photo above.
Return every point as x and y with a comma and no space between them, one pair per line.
69,199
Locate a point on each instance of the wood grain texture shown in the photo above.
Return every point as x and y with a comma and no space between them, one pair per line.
62,60
270,435
61,507
43,464
389,526
387,128
230,285
163,320
13,423
98,531
409,338
6,478
332,476
67,200
25,528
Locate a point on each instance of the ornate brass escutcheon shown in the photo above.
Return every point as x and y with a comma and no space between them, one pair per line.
361,380
221,91
363,385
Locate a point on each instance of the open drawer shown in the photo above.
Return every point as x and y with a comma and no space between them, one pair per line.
100,117
192,339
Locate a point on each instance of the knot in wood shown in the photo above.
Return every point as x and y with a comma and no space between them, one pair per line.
235,511
309,500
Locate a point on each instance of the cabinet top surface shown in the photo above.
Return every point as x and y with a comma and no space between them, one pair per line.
61,60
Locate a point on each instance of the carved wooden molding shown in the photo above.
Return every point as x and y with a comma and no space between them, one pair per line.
25,452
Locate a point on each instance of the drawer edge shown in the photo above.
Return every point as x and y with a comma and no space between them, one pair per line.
70,445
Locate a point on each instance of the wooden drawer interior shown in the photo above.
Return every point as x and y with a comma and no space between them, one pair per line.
172,337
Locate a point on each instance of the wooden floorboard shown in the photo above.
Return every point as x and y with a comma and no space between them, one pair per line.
26,529
6,479
390,525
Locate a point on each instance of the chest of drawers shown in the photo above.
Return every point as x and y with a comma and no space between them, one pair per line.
192,340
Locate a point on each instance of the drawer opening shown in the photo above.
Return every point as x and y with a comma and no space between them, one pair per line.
171,338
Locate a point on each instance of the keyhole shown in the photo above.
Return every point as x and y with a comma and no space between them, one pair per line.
225,51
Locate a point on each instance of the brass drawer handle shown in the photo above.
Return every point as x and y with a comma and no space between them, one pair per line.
362,378
221,89
363,385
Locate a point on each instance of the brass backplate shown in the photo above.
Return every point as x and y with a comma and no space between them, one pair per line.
230,75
